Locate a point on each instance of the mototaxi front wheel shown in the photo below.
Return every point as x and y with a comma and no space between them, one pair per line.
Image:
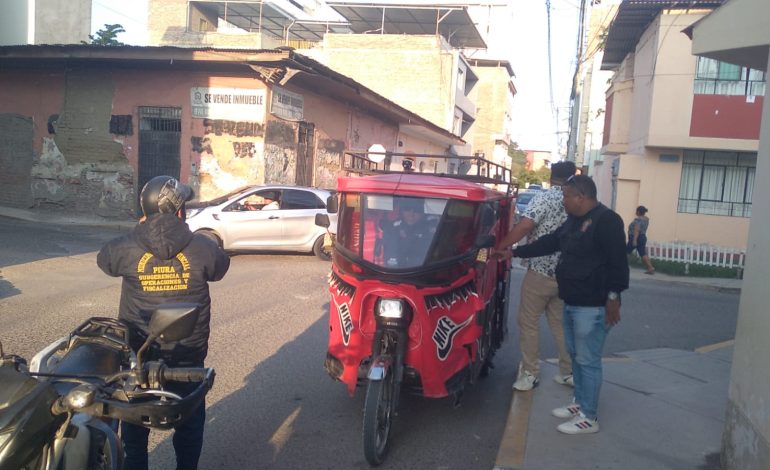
378,416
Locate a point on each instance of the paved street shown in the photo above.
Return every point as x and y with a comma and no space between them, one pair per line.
272,405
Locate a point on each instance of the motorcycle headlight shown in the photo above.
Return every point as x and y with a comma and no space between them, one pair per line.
390,308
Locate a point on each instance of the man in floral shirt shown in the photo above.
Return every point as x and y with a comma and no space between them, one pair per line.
539,291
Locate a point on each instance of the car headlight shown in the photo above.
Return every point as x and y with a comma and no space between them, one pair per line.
390,308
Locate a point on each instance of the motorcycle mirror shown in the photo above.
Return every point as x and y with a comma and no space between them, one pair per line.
322,220
332,206
173,321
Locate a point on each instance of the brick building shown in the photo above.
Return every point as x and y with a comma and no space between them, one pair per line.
84,127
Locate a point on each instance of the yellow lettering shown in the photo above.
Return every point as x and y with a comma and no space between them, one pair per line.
143,262
183,259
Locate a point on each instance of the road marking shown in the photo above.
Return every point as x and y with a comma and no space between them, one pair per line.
510,456
715,346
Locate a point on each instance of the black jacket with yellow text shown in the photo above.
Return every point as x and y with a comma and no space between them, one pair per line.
161,261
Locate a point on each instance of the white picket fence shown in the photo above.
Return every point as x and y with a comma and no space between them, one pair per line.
693,253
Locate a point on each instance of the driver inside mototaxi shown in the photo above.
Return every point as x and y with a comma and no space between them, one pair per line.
406,240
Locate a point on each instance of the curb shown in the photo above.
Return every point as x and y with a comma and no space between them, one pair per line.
684,282
71,219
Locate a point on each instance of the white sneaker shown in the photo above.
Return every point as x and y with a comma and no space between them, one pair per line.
579,425
564,380
526,381
568,411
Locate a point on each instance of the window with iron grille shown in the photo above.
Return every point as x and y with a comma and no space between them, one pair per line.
717,183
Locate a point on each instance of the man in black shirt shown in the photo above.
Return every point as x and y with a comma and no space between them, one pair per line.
161,261
592,272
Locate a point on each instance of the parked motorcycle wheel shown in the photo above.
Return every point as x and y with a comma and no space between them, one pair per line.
378,416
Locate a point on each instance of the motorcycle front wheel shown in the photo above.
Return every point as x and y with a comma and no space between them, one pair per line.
378,408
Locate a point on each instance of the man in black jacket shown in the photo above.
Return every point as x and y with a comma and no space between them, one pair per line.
161,261
592,272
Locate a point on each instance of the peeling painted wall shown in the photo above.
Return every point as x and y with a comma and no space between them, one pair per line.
231,156
328,159
280,152
70,159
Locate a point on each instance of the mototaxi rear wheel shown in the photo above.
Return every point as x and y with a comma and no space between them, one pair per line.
378,416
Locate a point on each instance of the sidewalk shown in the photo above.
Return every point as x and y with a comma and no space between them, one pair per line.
659,409
65,218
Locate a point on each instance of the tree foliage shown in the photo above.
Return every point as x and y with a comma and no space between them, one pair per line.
106,36
519,167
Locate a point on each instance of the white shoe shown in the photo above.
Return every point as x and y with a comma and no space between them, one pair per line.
568,411
526,381
564,380
579,425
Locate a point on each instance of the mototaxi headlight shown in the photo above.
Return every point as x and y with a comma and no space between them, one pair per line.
390,308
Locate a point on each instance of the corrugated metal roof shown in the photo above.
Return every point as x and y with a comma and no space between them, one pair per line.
452,21
633,18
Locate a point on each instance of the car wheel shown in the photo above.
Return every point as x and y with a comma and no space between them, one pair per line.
212,235
319,250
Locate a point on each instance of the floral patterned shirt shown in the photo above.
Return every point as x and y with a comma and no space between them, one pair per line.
546,210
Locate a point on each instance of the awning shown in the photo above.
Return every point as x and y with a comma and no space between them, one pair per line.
272,18
633,18
451,21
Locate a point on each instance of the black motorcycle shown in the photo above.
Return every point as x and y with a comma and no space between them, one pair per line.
62,412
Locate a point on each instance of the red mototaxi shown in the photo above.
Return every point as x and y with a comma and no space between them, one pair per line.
451,294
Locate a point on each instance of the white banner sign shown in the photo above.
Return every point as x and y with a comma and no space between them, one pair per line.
233,104
287,105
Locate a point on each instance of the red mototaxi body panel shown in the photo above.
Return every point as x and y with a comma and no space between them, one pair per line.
445,330
424,342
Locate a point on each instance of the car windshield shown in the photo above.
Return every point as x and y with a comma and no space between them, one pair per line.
398,232
225,197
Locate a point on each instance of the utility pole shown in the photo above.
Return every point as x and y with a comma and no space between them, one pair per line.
577,90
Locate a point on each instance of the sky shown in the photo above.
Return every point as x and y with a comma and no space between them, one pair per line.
519,35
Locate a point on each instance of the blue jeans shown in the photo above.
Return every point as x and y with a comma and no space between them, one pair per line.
188,437
584,333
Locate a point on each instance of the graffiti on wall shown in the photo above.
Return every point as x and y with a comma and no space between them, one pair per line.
237,128
231,156
280,164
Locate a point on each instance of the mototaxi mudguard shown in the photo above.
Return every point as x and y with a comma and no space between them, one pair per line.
151,412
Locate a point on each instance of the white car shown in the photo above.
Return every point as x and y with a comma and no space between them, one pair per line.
264,218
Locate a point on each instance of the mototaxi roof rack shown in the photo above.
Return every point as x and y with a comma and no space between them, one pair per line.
474,169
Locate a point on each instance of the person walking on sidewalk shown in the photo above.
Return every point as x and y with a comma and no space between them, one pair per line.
637,238
591,274
162,242
539,292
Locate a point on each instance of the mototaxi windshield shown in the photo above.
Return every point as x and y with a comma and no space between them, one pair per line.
404,232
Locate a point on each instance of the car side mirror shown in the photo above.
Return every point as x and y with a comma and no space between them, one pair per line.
332,206
322,220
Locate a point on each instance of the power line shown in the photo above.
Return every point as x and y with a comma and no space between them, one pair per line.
554,111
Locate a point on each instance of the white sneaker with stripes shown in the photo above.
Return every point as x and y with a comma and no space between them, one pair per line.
568,411
579,425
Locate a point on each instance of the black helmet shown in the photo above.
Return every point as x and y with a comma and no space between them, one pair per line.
164,195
